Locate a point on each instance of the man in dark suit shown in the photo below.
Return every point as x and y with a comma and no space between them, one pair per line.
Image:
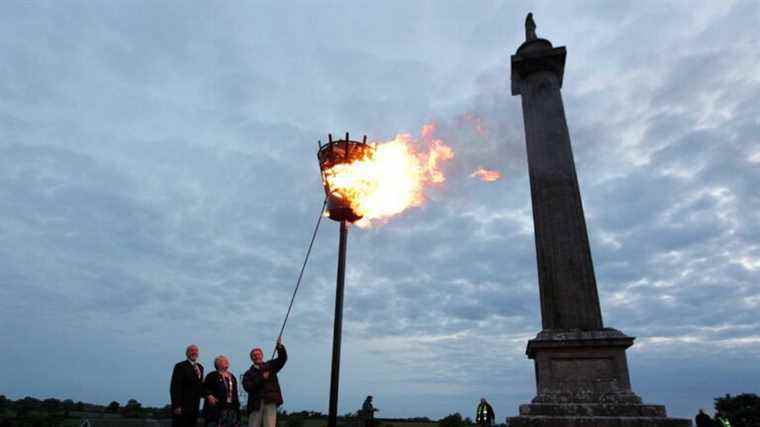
186,389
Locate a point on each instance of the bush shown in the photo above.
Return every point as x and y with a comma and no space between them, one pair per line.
132,409
452,420
742,410
294,421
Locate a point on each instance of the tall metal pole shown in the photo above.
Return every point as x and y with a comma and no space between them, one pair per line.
332,417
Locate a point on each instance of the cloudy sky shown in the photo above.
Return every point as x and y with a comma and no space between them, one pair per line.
158,186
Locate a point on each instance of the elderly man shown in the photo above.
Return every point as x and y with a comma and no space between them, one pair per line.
260,381
186,389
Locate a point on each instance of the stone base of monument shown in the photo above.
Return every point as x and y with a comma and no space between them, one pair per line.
597,422
582,380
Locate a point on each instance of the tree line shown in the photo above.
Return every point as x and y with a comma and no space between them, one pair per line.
30,411
742,410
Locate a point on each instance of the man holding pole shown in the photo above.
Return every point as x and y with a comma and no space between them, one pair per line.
260,381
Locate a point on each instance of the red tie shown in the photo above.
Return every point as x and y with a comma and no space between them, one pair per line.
197,370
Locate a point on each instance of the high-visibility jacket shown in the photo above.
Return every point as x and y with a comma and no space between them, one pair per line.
484,413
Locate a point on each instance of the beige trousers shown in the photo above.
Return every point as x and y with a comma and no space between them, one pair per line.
267,413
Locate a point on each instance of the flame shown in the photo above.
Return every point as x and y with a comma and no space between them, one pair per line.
486,175
477,123
428,130
438,152
393,178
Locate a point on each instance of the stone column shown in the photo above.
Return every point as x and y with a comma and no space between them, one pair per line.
581,368
566,280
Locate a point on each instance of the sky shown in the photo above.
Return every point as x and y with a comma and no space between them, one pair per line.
159,185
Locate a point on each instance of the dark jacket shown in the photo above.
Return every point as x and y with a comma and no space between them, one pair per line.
265,390
484,414
368,410
703,420
186,387
215,386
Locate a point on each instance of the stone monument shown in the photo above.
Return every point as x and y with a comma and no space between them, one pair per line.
581,368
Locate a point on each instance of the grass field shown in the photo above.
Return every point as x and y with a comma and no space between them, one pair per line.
308,422
314,422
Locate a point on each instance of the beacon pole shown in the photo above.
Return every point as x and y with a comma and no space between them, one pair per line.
339,209
332,417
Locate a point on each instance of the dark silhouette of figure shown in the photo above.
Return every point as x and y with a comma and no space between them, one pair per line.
530,28
367,413
703,420
186,389
484,415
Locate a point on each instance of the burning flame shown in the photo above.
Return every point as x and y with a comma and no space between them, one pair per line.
477,123
392,178
486,175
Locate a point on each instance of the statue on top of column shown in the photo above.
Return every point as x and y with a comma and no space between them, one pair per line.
530,28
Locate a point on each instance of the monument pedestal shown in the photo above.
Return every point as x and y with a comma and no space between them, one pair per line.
582,380
568,421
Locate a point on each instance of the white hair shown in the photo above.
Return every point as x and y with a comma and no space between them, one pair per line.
218,359
187,350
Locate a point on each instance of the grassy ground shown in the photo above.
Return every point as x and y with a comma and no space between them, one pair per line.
309,422
314,422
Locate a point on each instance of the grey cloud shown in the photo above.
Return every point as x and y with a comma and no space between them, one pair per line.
158,186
